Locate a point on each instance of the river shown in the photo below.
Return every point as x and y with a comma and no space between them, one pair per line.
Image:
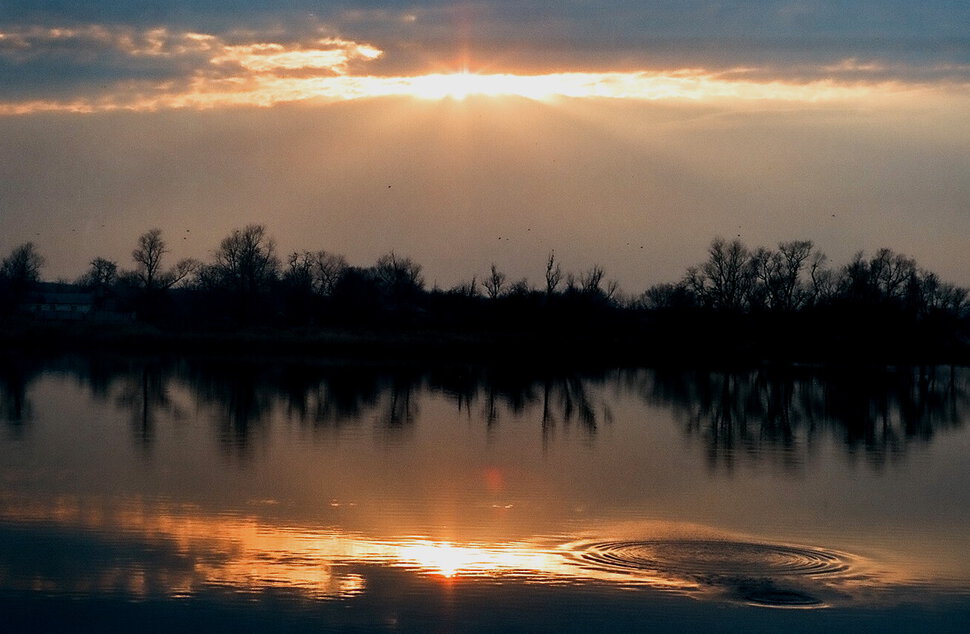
160,494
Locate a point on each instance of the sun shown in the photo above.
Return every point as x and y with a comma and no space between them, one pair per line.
445,559
461,85
456,86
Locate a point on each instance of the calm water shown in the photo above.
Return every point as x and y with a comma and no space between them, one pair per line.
199,494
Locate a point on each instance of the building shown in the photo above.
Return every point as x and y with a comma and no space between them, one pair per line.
68,303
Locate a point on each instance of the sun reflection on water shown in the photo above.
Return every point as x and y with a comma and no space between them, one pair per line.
195,552
449,560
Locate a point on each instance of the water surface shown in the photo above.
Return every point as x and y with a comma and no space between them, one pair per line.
200,493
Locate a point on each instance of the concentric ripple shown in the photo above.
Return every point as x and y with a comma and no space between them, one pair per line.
702,558
776,575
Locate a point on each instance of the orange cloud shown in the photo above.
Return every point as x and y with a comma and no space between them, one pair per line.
202,71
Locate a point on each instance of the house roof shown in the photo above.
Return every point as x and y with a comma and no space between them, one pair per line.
53,293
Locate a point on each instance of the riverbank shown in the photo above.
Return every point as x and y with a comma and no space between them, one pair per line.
723,342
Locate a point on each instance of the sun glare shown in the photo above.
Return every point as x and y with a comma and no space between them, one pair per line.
444,558
267,89
264,72
694,85
461,85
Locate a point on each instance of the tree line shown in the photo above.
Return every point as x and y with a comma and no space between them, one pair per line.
246,283
795,276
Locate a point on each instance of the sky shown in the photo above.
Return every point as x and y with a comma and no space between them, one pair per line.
625,135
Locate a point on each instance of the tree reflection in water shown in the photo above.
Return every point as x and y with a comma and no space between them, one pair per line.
874,410
16,409
237,398
565,397
144,392
745,414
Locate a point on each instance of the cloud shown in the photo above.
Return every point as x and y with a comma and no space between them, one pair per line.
127,68
95,68
329,54
148,55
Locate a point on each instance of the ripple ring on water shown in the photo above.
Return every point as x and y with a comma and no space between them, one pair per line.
700,558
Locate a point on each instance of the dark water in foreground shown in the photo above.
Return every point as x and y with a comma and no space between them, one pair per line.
267,495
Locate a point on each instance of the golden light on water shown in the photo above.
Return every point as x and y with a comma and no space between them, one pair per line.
198,552
448,560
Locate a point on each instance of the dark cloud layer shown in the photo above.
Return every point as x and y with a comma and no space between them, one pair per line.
855,18
857,40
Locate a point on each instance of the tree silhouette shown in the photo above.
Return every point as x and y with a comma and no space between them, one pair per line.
328,267
148,274
667,296
590,280
23,264
299,272
553,274
399,276
19,272
779,274
784,299
466,289
495,282
824,280
246,265
102,274
247,259
725,279
148,258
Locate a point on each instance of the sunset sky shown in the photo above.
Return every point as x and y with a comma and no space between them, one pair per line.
623,134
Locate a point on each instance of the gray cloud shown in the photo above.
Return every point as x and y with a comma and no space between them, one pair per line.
859,40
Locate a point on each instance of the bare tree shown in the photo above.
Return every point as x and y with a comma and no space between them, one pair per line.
553,273
495,282
887,276
328,269
951,299
572,284
19,271
937,296
102,274
610,292
779,276
23,264
148,258
246,260
466,289
246,265
519,288
891,273
667,296
399,273
180,272
767,266
824,280
725,279
589,281
794,255
300,271
314,272
148,273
